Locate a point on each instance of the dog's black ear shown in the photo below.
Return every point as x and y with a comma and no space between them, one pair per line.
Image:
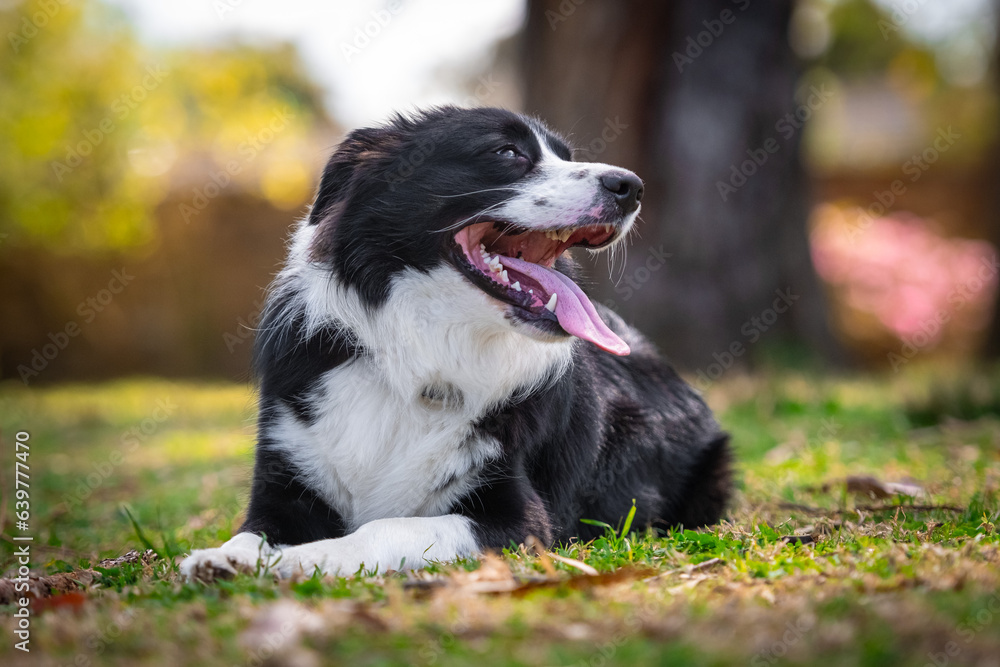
341,173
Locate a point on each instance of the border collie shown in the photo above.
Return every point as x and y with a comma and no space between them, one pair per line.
433,381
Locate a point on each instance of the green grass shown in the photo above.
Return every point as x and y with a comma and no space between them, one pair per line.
802,571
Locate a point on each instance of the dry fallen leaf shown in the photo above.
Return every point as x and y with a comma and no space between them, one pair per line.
877,489
536,545
66,582
572,562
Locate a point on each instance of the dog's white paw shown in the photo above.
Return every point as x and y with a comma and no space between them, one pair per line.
246,553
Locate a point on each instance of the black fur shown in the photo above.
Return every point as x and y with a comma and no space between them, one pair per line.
610,430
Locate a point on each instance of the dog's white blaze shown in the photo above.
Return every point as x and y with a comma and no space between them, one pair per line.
569,190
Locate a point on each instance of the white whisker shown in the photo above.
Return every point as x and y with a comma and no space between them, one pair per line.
462,223
474,192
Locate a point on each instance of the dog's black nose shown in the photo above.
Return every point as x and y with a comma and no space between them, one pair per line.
626,188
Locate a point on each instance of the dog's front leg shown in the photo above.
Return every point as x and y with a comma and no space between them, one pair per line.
383,544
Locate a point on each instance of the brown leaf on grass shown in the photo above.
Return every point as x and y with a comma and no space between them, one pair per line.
536,545
73,601
586,581
45,586
40,586
572,562
877,489
687,570
133,556
495,577
906,507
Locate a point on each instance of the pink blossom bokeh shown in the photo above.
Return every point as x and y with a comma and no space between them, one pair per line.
902,271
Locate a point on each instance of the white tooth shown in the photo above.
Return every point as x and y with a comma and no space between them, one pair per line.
551,234
482,247
503,276
551,305
566,234
517,286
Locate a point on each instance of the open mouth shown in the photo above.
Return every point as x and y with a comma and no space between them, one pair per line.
516,265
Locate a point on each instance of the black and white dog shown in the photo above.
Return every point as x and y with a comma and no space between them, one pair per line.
433,382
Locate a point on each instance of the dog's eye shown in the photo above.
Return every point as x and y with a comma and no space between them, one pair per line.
509,152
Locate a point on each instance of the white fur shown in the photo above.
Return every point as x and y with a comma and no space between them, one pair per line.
568,198
240,554
386,458
402,543
389,460
377,448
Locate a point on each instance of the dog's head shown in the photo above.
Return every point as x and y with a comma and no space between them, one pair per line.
490,193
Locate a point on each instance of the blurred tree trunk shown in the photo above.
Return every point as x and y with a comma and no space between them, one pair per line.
992,347
632,86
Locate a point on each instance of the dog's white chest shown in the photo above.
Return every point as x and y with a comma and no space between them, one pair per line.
372,453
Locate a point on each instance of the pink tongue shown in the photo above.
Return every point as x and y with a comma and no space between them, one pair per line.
576,314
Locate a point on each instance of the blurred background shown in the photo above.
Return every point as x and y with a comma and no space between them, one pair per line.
821,174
